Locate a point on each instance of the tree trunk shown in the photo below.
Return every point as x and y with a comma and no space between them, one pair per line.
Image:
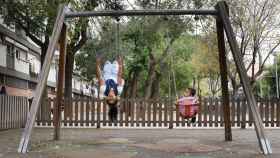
151,77
68,75
44,115
234,87
156,86
69,64
194,82
127,86
134,84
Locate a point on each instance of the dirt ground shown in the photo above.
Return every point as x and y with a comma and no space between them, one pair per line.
139,143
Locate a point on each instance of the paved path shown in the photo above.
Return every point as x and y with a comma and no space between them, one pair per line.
138,143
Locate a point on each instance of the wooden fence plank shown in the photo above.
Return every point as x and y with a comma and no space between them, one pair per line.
238,112
132,112
210,109
92,110
21,112
165,112
221,107
182,121
141,114
177,116
261,108
98,124
87,111
82,111
205,112
155,114
77,111
71,111
121,112
272,112
216,112
14,112
233,111
104,108
144,112
278,112
243,115
10,125
160,114
267,113
149,112
171,113
199,121
5,111
8,113
127,112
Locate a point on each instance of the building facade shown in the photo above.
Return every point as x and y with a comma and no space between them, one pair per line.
20,65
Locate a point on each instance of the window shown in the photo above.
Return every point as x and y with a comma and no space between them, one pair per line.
18,83
17,54
10,50
20,54
2,79
10,60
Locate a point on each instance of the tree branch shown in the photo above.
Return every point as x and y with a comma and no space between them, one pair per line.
27,29
32,37
81,42
269,53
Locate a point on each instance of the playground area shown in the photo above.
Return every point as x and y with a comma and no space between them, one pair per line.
138,143
142,95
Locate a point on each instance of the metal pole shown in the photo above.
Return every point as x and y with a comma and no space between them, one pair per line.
140,13
276,76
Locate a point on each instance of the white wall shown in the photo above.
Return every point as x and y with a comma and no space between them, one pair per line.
3,53
35,63
52,74
76,84
21,66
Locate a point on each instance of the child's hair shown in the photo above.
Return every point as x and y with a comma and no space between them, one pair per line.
112,102
192,91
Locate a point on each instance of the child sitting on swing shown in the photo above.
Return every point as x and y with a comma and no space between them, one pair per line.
188,105
110,84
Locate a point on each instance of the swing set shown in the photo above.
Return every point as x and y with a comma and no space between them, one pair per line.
59,36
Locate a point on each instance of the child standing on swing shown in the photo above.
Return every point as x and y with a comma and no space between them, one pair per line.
110,84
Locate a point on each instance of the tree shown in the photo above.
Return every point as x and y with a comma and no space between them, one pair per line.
256,26
205,61
266,85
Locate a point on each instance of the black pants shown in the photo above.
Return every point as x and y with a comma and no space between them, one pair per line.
113,112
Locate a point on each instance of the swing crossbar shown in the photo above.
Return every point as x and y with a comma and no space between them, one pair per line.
140,13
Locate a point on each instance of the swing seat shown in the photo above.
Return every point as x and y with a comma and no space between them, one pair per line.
188,107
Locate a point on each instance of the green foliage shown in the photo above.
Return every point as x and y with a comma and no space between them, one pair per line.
266,85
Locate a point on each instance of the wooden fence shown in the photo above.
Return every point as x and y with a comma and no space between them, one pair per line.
88,112
13,111
158,113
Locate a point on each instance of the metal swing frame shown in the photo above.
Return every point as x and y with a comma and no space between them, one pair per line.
221,14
